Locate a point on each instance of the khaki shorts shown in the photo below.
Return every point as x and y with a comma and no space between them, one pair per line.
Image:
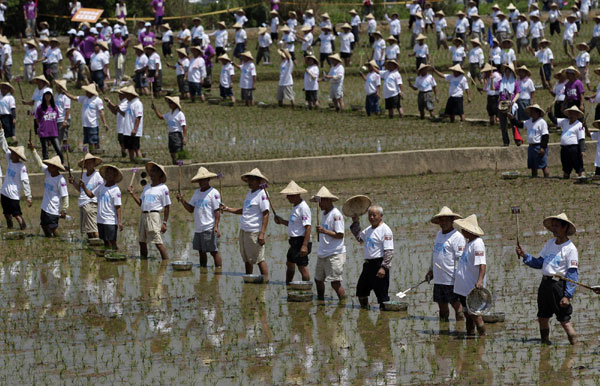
330,268
87,216
252,252
149,229
285,92
336,90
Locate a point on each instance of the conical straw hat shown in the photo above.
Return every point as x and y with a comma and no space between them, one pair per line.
356,206
18,150
293,188
88,156
254,173
54,161
202,174
457,68
470,225
174,100
535,107
61,83
323,193
570,231
151,164
574,109
91,88
105,167
444,212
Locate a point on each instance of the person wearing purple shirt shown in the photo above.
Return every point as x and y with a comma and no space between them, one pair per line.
158,8
46,116
119,52
147,38
574,90
30,14
508,90
209,53
86,47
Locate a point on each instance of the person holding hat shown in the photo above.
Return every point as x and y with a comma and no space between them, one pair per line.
6,58
285,87
346,44
507,55
378,251
8,111
392,50
274,24
491,85
461,26
503,27
30,15
309,19
395,26
582,61
522,33
205,204
196,74
184,36
559,256
572,141
371,28
56,195
78,66
458,52
239,40
299,229
378,54
457,86
325,40
426,85
38,94
108,196
154,70
141,63
537,138
253,223
372,87
247,77
307,40
288,41
99,62
420,51
63,107
440,30
167,40
87,186
29,59
292,21
153,201
332,250
570,34
513,16
476,59
471,269
15,178
413,8
311,81
546,59
447,250
355,23
176,124
417,28
526,93
336,81
477,27
264,46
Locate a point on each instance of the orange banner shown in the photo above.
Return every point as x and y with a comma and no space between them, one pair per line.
91,15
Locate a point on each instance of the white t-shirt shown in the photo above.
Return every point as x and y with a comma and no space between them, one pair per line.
90,110
31,55
536,30
135,109
418,26
371,26
458,53
205,204
285,73
355,21
108,199
332,221
255,204
92,182
197,70
583,59
265,40
378,50
595,137
596,32
54,189
99,60
391,83
299,218
307,42
527,87
7,103
535,130
289,39
292,23
182,66
372,82
337,73
184,34
420,50
559,91
7,54
503,26
457,85
155,198
326,40
553,15
395,26
141,61
440,24
240,36
507,56
53,55
63,103
462,25
570,30
311,78
448,248
522,29
167,36
478,26
121,119
77,57
392,52
274,24
571,132
16,173
545,55
558,259
376,241
154,62
476,56
240,19
467,271
227,71
425,83
346,41
175,120
248,72
220,38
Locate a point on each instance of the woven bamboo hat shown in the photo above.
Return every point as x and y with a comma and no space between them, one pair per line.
563,217
535,107
54,161
149,167
444,212
89,156
202,174
323,193
469,224
174,100
91,88
574,109
18,150
356,206
254,173
292,189
104,168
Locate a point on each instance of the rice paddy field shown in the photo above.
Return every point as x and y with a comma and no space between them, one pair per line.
77,318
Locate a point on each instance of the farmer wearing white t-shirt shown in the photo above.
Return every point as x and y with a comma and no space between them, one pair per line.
457,86
391,80
426,85
91,108
570,34
372,87
596,137
471,269
153,200
537,139
448,248
247,77
378,249
115,109
572,141
176,124
204,204
226,78
332,250
285,87
558,257
299,227
253,223
15,178
88,206
311,81
336,81
346,43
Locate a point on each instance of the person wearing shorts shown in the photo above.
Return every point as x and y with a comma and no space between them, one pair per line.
92,109
90,181
176,124
572,141
426,85
253,223
392,88
196,73
8,110
153,201
458,85
285,87
336,81
537,138
247,77
559,256
181,67
16,177
299,226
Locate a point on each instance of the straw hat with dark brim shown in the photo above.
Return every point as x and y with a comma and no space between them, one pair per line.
391,39
346,26
571,17
369,16
469,224
309,12
54,161
545,41
377,33
166,26
419,15
510,66
488,67
420,37
440,13
241,10
71,50
511,7
524,69
91,88
444,212
522,16
182,51
121,21
507,41
4,40
335,57
42,78
500,14
460,13
149,167
535,16
224,57
356,206
262,30
292,13
293,189
395,63
44,24
150,47
458,40
247,55
89,156
12,89
32,43
575,110
326,28
323,193
285,29
583,46
475,16
562,217
106,167
19,151
560,73
535,107
423,66
129,90
174,100
203,174
495,6
196,19
104,45
353,12
457,68
138,47
254,173
237,26
572,69
306,28
596,18
326,15
553,5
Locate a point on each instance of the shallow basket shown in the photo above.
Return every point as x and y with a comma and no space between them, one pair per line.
479,301
300,296
494,317
181,265
300,285
510,175
253,279
394,305
14,236
95,242
111,256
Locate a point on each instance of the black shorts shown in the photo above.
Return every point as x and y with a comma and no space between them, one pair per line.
550,292
392,102
293,253
166,47
219,51
158,20
570,158
462,300
247,94
225,91
311,95
8,125
323,57
182,84
10,206
131,142
368,281
444,294
454,106
492,105
195,88
345,55
48,220
175,142
206,241
120,139
107,232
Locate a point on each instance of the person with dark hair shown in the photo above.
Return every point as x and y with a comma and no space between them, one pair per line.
46,116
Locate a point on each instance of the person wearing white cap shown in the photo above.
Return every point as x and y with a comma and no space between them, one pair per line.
332,250
372,87
88,204
447,250
559,256
457,86
471,269
205,204
176,124
299,229
91,108
147,36
15,179
378,250
253,223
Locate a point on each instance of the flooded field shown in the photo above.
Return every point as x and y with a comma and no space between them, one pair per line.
68,316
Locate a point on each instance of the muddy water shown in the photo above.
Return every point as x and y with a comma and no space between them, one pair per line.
70,317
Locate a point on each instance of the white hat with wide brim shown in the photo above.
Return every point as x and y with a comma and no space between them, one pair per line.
356,205
470,225
444,212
